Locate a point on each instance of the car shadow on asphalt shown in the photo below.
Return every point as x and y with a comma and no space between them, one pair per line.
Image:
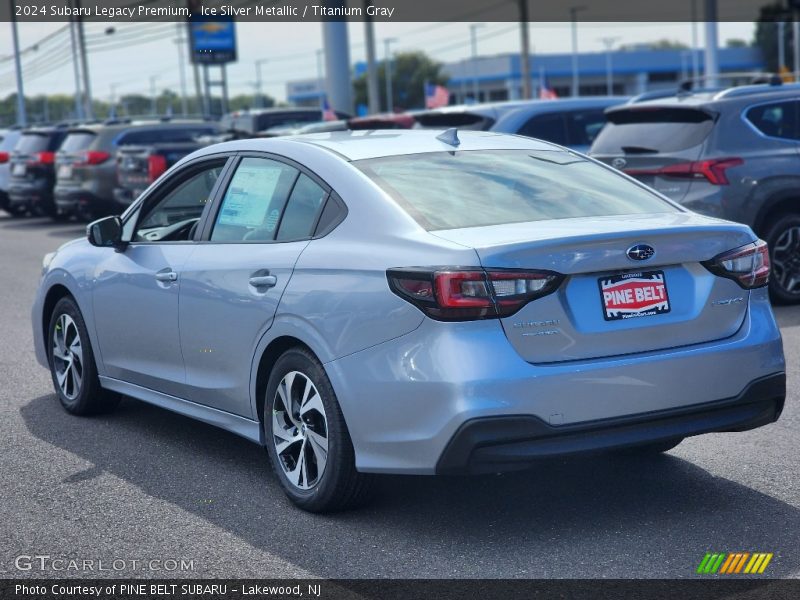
604,514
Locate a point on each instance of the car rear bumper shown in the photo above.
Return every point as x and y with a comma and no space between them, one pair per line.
77,201
29,194
406,399
495,444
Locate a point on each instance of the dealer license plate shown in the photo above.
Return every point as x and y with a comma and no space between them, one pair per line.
629,295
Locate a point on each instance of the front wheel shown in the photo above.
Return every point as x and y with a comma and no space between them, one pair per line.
72,365
307,440
783,238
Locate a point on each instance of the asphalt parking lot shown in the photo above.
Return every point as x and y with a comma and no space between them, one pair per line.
146,485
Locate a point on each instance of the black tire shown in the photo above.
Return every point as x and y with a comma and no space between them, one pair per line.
652,448
340,486
17,211
85,397
780,231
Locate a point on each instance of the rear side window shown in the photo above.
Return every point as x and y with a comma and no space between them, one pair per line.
449,190
252,206
653,131
548,127
583,126
77,140
32,142
302,210
778,120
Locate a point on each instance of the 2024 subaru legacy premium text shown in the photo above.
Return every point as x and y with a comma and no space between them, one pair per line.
414,302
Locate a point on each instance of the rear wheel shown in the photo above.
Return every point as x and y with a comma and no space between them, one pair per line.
72,365
652,448
783,237
307,439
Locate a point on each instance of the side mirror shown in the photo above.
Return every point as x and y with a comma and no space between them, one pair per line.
105,232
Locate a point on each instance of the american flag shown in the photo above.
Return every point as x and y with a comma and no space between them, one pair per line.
545,91
327,112
436,96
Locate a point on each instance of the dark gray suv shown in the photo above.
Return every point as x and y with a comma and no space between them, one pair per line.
733,154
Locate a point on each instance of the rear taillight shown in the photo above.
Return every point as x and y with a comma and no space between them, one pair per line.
4,156
156,165
466,294
44,158
92,157
748,266
712,171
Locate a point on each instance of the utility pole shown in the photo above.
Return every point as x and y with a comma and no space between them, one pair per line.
695,57
259,97
781,46
87,89
373,92
77,72
22,118
181,70
573,16
712,62
525,51
609,42
473,40
796,45
387,71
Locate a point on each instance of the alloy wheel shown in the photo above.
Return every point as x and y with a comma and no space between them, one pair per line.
68,357
300,430
786,260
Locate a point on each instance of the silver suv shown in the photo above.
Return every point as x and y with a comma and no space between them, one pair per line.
731,154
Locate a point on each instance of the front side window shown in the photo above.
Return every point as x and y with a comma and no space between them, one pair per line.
173,216
776,120
449,190
254,201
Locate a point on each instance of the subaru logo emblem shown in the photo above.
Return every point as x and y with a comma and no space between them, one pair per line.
619,163
640,252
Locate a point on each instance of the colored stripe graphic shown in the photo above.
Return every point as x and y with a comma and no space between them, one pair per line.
734,563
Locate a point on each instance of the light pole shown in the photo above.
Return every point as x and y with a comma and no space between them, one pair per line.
473,40
573,16
181,69
320,78
259,98
373,93
387,72
781,46
112,104
525,51
695,57
88,110
77,72
609,42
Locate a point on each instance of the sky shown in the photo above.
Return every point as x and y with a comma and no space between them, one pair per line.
290,50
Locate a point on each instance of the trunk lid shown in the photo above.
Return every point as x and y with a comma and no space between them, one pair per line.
572,323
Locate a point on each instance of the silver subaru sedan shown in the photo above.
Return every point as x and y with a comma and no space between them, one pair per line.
415,302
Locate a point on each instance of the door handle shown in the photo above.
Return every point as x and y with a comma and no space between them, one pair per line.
266,281
166,275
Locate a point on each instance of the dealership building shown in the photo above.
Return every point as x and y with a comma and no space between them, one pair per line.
498,77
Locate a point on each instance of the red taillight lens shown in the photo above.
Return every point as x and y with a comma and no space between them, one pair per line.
712,170
468,294
92,157
748,265
45,158
156,165
4,156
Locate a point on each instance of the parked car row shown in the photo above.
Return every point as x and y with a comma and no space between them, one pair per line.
85,170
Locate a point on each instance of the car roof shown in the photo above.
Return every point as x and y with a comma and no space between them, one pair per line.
746,94
365,144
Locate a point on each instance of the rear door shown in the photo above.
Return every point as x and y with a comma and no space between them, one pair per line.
647,141
232,284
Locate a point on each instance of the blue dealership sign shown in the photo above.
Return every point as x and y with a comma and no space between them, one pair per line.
213,40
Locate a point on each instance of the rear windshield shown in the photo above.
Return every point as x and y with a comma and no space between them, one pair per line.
652,131
77,140
462,120
32,142
450,190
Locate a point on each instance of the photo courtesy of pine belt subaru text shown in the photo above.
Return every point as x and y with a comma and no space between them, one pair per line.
414,302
